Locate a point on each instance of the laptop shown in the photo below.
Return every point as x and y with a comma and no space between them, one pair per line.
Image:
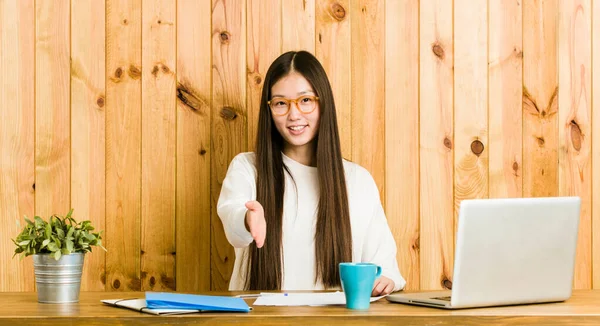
509,251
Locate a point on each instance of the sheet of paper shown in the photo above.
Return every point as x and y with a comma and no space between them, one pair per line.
303,299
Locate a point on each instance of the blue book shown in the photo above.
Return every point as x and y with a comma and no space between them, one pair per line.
171,300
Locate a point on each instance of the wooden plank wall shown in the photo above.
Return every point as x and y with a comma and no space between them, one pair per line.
129,111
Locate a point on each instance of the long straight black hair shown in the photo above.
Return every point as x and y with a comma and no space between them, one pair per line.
333,236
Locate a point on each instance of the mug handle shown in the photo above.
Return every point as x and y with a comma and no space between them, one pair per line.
378,272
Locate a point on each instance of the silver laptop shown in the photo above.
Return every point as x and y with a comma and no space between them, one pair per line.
509,251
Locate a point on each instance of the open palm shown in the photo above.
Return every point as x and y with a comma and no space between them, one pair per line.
256,223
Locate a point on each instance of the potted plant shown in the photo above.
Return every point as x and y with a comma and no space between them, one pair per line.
58,247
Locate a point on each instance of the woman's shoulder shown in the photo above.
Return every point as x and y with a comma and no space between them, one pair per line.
245,161
248,158
357,174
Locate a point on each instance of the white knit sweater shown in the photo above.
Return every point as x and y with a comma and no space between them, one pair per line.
372,240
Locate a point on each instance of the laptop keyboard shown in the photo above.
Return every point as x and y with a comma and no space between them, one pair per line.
443,298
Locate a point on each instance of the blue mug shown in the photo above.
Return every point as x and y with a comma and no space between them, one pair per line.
357,283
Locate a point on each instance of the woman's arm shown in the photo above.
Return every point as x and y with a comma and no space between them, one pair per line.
238,188
380,247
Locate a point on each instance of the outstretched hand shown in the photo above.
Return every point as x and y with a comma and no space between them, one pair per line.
256,223
382,286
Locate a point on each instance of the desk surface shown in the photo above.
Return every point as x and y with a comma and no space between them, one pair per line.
23,309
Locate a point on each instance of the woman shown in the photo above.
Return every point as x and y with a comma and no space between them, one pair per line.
295,209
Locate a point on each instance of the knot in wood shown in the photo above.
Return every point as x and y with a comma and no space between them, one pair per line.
447,143
446,283
438,50
477,147
224,37
134,72
338,12
576,135
228,113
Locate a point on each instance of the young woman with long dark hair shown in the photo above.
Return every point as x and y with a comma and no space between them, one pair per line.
295,208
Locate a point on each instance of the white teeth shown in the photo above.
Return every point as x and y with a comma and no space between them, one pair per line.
296,128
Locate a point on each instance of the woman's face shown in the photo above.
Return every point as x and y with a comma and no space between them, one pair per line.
300,124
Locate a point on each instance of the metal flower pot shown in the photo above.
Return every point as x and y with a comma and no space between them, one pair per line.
58,281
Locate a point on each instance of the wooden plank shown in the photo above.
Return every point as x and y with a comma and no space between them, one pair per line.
505,99
471,155
17,76
158,145
574,116
263,47
298,25
333,51
402,133
193,146
123,143
540,103
52,115
87,124
596,147
368,79
437,143
229,122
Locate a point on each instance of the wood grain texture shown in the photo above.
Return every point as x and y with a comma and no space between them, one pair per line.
193,146
77,131
540,98
574,116
158,145
368,79
471,156
229,120
436,145
402,134
22,309
17,98
263,47
52,108
595,145
333,51
123,143
298,28
88,100
505,89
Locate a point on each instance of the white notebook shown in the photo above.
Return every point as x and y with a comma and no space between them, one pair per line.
140,305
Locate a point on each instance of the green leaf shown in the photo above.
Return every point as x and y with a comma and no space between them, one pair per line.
52,246
57,236
38,222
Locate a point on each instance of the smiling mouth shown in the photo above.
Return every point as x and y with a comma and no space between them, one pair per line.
297,128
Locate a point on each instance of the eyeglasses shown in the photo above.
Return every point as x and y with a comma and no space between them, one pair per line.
281,105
